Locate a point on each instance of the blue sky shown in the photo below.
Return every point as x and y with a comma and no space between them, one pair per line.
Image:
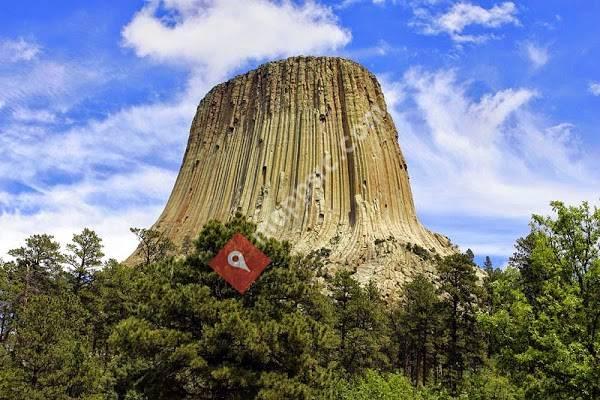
496,103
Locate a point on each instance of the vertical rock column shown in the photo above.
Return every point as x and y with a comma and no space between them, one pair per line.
305,147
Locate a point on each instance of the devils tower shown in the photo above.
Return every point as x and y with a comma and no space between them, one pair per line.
306,149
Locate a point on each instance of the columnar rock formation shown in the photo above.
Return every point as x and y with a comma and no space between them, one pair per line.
305,147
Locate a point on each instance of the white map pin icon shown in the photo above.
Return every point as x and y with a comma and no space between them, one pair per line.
235,259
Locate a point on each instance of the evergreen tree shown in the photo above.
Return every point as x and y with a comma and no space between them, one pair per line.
488,266
7,297
490,302
533,275
35,265
35,270
417,329
361,324
461,295
470,255
153,245
48,356
84,255
190,335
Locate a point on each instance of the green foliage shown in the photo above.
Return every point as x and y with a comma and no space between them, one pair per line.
548,311
417,327
36,270
489,385
153,246
35,266
84,256
376,386
461,295
49,357
173,329
491,302
361,323
190,335
420,251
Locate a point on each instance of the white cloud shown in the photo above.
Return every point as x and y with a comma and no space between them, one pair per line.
18,50
484,160
219,35
128,137
502,158
131,193
463,15
29,115
66,209
108,167
395,91
57,84
348,3
482,237
594,88
537,55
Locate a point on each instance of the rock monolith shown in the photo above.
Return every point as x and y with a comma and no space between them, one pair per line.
306,148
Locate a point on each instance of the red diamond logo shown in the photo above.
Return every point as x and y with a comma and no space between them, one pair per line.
239,262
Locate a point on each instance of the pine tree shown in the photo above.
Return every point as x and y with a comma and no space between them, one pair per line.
469,253
417,326
190,335
461,294
7,299
488,266
490,301
361,324
153,245
84,255
35,265
48,355
532,275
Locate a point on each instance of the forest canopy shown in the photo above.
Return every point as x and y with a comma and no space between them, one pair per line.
73,326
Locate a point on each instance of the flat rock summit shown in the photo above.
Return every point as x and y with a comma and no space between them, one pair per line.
306,149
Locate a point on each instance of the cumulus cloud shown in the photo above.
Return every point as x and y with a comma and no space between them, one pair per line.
491,158
219,35
594,88
462,15
15,50
537,55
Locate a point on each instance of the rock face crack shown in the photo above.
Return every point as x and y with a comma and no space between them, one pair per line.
305,148
348,147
